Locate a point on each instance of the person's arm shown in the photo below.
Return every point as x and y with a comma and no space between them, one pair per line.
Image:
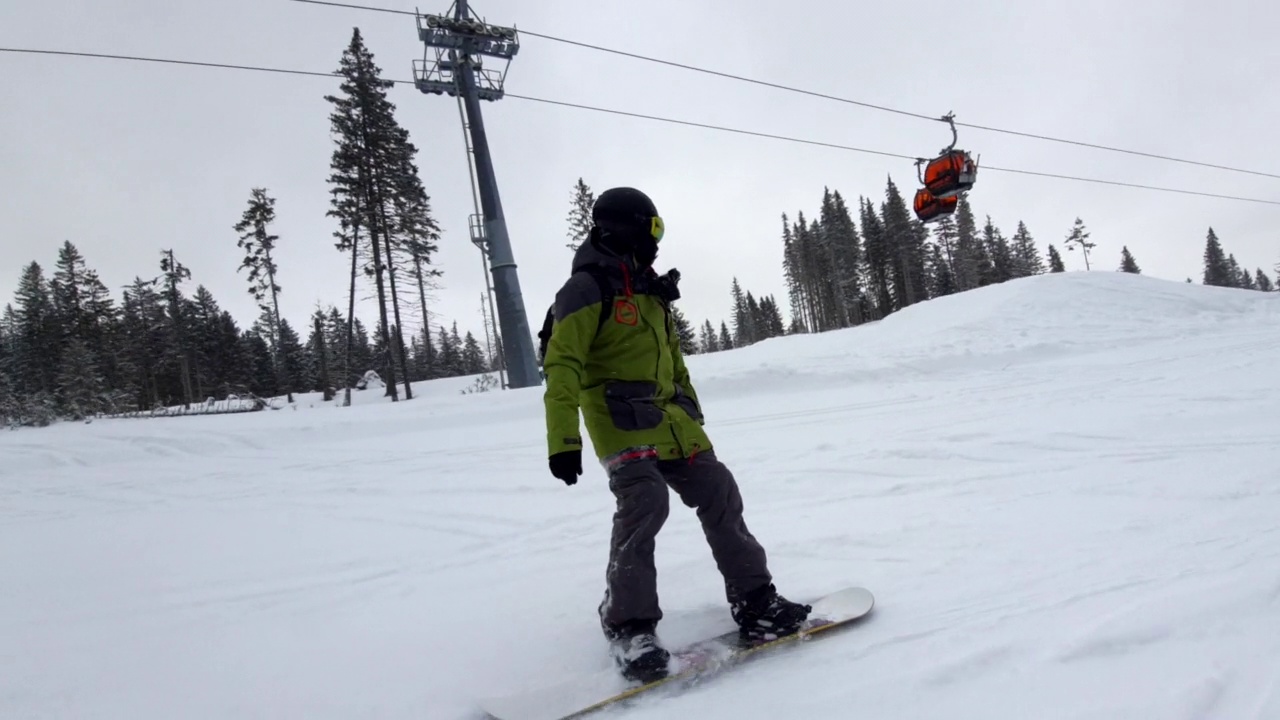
577,312
681,372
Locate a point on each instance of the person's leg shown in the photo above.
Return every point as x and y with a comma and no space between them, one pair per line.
761,613
631,580
706,484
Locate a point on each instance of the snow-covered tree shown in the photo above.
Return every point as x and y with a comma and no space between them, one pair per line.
580,214
1079,237
1127,263
1055,261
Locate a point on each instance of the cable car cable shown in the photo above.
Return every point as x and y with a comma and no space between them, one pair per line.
674,121
836,98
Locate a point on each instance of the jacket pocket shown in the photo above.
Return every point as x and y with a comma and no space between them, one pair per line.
687,403
631,405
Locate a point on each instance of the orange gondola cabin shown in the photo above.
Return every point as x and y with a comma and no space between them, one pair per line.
944,178
929,207
950,174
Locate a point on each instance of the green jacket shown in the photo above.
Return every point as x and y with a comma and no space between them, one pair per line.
627,375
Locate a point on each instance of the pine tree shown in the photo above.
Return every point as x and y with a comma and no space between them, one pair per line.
847,245
144,339
973,266
940,280
1240,278
710,341
1003,267
451,364
36,338
472,356
879,259
816,268
423,276
325,361
743,322
9,412
1217,271
688,338
1127,263
417,241
771,318
362,358
726,340
258,244
85,310
829,235
230,358
204,319
1262,282
1079,237
1026,258
411,235
295,358
80,385
906,254
580,215
365,164
261,367
177,350
1055,261
793,271
945,236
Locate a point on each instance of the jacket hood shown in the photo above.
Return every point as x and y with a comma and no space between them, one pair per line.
589,255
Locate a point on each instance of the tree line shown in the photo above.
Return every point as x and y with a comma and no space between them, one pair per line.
841,271
69,350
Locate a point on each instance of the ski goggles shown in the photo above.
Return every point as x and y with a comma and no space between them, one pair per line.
634,225
656,228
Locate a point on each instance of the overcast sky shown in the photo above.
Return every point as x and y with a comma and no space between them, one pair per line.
124,159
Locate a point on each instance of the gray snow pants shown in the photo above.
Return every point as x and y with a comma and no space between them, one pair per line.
642,506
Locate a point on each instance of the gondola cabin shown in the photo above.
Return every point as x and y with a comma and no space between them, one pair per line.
929,207
950,174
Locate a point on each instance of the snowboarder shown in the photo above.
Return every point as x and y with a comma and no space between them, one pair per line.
613,352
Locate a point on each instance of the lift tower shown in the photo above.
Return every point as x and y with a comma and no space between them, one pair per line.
456,45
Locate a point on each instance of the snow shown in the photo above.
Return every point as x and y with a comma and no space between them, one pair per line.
1064,492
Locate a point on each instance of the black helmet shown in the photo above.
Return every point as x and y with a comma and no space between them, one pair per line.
627,212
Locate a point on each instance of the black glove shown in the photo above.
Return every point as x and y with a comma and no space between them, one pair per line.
567,465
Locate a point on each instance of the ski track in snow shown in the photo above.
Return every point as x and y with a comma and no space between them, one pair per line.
1063,492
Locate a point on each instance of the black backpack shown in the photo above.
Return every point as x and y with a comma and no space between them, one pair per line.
607,294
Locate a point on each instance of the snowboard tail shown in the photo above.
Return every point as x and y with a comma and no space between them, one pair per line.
690,665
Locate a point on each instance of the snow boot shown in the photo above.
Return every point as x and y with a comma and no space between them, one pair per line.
634,647
764,615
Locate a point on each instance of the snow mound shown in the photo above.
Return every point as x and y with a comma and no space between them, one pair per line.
1039,318
1062,491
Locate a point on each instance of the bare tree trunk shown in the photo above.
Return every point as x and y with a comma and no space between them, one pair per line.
395,307
281,360
398,349
323,352
422,298
351,313
375,244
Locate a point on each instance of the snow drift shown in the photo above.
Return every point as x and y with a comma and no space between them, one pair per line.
1063,490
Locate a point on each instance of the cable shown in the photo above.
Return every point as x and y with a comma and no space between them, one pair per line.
358,7
689,123
887,154
836,98
167,61
719,128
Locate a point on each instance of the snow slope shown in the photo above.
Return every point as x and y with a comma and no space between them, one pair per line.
1064,491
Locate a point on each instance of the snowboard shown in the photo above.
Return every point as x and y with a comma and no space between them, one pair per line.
690,665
